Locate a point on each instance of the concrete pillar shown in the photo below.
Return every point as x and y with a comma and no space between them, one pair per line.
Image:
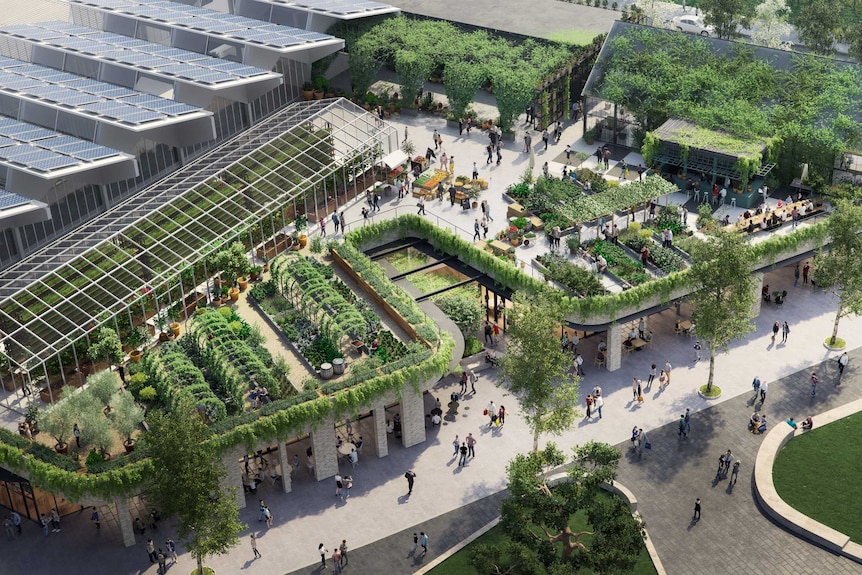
233,478
325,452
124,518
614,354
378,430
758,294
412,417
286,467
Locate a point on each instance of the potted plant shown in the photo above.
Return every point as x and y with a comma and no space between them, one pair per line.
573,242
163,323
103,386
254,272
126,417
320,86
135,340
242,281
58,422
106,347
301,224
233,294
307,90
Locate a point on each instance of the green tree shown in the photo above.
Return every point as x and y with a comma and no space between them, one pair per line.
465,310
536,368
103,386
126,416
413,69
462,80
839,269
186,483
233,261
770,26
513,89
106,347
725,296
726,16
818,25
852,35
537,516
363,66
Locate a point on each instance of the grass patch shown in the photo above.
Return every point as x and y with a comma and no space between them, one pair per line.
827,495
575,37
839,343
459,563
431,281
406,260
714,392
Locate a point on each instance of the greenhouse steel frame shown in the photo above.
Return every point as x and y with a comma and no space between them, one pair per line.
146,253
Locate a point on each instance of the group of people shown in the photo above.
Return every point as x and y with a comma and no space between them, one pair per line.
339,556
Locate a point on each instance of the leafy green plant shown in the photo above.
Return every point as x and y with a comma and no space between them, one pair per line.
315,246
106,347
472,346
464,310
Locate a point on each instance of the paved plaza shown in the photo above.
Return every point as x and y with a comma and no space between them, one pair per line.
449,502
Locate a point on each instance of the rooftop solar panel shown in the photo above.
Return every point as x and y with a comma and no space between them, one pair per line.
210,21
9,200
6,142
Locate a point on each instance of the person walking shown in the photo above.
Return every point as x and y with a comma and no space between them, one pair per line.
77,433
696,516
785,331
499,154
323,553
463,450
421,206
687,420
599,404
261,508
636,388
343,222
589,402
756,385
475,171
471,445
720,469
55,520
16,521
415,543
43,521
323,227
579,365
734,475
339,484
456,444
484,229
682,432
410,475
652,373
667,368
775,328
253,542
151,550
473,379
94,517
336,561
476,233
763,388
423,541
268,516
697,349
805,271
172,549
728,459
501,416
796,275
335,221
606,155
487,210
814,381
343,549
842,363
162,559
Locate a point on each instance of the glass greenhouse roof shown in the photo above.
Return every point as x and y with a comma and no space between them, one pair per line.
51,299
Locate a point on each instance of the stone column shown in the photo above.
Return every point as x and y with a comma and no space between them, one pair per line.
233,479
286,467
614,353
412,417
325,453
124,518
378,420
758,294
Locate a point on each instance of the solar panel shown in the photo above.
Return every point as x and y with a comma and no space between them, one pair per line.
9,200
6,142
210,21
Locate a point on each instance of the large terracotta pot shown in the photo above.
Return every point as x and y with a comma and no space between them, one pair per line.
243,283
303,240
135,355
175,328
233,293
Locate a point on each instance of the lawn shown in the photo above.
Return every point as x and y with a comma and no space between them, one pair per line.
816,474
459,563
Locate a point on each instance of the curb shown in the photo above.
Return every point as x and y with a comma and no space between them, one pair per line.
785,515
615,488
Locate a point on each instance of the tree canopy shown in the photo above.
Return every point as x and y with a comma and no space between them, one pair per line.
537,517
726,16
186,483
536,368
725,296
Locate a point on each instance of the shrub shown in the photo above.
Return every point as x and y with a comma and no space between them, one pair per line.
472,346
464,310
148,393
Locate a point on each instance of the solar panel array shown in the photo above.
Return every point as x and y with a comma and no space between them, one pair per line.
154,58
101,100
36,148
212,22
9,200
339,7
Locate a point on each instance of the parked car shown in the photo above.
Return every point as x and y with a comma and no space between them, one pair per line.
692,25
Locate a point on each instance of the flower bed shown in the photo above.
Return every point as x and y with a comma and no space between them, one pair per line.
619,263
581,281
588,208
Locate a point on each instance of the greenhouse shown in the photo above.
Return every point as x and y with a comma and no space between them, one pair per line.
148,256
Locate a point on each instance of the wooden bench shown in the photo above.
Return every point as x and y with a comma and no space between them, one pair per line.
538,224
516,211
500,247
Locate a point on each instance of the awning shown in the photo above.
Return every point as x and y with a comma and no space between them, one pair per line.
395,159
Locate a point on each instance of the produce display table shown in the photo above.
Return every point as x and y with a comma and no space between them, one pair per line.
429,179
516,211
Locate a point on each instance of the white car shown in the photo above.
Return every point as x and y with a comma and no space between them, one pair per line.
692,24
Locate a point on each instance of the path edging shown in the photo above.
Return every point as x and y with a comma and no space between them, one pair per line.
778,509
616,488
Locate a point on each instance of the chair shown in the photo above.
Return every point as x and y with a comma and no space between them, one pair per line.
677,330
599,362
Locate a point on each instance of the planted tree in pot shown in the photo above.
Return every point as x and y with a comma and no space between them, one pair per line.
58,421
136,338
106,347
103,386
126,417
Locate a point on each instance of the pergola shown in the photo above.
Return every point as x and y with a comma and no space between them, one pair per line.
150,252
